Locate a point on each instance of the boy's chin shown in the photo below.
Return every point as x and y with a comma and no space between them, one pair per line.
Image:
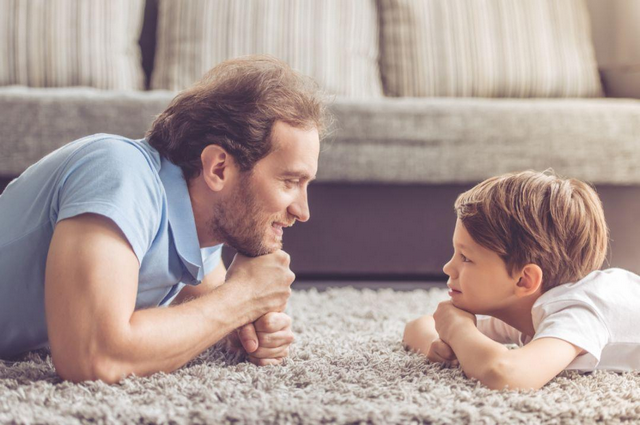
463,306
457,303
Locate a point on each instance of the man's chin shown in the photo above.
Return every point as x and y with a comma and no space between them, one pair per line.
262,250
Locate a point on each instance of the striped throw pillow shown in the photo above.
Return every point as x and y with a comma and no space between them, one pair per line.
61,43
333,41
487,48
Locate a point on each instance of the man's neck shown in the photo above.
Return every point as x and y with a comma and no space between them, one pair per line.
202,207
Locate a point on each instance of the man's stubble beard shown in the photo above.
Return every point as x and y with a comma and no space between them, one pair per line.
237,223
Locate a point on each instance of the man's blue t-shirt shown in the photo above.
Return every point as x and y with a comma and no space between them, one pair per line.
125,180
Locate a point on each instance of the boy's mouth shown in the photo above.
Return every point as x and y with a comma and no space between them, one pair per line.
453,291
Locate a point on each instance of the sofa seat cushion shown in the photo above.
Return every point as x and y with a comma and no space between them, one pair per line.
37,121
458,140
411,140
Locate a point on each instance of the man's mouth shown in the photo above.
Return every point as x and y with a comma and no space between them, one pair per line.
277,228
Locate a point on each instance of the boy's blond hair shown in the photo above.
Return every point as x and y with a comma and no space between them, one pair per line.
538,218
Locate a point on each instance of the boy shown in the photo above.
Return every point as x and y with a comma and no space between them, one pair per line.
527,249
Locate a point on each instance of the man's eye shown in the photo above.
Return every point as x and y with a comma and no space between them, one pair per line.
291,183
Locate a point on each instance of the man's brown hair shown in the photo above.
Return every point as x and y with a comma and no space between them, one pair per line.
235,106
538,218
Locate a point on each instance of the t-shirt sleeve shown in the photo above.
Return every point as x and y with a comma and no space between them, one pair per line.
114,179
497,330
211,257
578,324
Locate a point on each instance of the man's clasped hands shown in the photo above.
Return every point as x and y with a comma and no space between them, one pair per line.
266,341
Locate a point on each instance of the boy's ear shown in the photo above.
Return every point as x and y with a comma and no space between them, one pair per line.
218,167
530,280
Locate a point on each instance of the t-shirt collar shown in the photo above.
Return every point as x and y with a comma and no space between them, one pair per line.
181,220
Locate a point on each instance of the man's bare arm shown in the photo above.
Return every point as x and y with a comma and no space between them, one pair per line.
277,325
211,281
90,292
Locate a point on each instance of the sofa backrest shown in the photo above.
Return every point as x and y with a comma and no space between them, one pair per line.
616,38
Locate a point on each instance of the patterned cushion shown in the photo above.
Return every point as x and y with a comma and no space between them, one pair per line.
61,43
333,41
487,48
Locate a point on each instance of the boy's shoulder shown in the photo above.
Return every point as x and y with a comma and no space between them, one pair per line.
601,294
598,285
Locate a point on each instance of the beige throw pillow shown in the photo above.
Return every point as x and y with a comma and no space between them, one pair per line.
487,48
333,41
61,43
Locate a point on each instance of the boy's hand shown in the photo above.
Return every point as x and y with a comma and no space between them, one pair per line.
440,352
267,340
449,318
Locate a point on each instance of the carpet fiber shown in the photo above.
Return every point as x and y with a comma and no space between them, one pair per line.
347,366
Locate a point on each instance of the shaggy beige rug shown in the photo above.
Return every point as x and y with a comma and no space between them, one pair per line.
347,366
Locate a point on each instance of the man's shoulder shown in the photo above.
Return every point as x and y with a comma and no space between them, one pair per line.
110,149
111,163
117,178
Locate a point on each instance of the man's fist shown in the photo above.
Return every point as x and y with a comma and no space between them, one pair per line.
265,280
267,340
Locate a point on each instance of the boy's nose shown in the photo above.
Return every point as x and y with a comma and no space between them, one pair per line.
448,269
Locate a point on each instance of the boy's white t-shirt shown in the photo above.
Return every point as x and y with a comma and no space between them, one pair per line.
600,314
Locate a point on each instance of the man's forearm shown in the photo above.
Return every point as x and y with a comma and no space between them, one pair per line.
211,281
478,354
163,339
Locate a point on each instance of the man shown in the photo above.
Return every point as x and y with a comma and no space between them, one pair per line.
102,234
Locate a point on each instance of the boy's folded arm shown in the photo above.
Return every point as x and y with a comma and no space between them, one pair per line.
497,367
419,334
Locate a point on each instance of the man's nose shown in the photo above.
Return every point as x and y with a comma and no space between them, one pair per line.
300,208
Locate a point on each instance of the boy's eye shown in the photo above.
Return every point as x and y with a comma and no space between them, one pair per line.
464,259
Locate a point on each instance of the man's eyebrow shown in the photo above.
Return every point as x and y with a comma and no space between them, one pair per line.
298,174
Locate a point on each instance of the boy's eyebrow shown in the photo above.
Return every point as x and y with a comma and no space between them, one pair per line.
462,246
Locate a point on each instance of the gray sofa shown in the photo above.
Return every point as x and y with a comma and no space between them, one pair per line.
390,169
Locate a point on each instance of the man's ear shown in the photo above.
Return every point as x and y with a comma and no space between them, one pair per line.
530,280
218,167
